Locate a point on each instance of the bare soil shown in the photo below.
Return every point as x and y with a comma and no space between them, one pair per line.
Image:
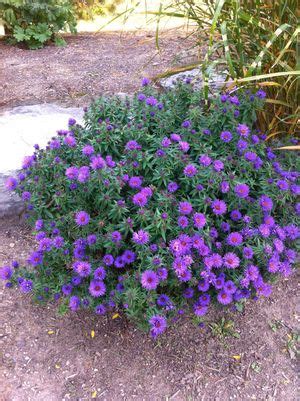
90,65
46,357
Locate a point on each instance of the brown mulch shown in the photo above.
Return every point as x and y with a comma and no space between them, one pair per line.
48,357
90,65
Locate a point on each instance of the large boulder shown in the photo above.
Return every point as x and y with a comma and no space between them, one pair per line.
20,129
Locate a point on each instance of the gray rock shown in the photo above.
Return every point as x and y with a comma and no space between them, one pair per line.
20,129
216,80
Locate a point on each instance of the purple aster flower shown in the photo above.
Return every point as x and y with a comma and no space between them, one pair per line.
266,203
11,183
135,182
252,272
184,146
82,218
219,207
158,325
28,162
185,208
224,297
242,145
183,221
6,272
231,260
206,132
243,130
264,230
149,280
200,310
175,137
234,100
70,141
162,273
242,190
140,237
218,282
91,239
74,303
203,285
119,262
205,160
97,162
132,145
282,185
100,273
76,280
88,150
218,165
35,259
199,220
226,136
190,170
145,81
223,98
83,174
235,215
82,268
151,101
140,199
45,245
224,187
100,309
188,293
229,287
128,256
166,142
250,156
67,289
248,252
225,227
186,124
204,299
26,286
108,260
97,288
54,144
261,94
116,236
163,300
26,196
234,239
172,187
292,232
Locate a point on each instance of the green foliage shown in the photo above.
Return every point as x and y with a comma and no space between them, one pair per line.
34,23
251,39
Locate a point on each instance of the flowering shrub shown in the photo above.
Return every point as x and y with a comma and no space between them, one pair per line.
157,206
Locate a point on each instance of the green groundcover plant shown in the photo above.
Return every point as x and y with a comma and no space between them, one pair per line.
35,23
157,207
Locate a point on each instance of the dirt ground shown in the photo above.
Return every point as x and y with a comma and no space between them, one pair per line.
46,357
90,65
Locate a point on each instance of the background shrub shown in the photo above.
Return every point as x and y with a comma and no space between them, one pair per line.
34,23
156,207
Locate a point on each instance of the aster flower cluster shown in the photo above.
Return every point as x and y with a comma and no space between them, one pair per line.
156,208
